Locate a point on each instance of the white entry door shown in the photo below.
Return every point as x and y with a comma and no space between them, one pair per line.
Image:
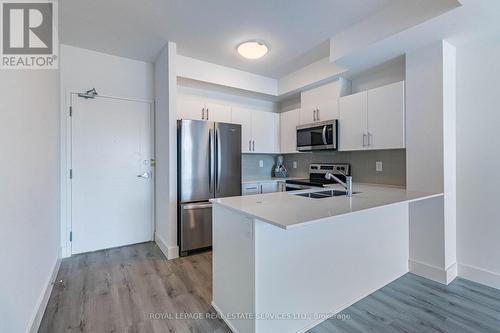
111,182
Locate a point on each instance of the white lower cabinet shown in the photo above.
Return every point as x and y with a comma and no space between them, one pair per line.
262,187
269,187
249,189
373,119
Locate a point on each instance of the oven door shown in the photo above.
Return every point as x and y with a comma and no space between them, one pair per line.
318,136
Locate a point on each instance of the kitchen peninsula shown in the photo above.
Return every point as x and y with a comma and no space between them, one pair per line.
283,262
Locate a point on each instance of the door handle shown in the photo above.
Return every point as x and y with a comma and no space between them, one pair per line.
197,206
324,135
144,175
211,151
219,160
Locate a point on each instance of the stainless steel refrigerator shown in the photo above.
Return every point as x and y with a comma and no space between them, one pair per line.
209,166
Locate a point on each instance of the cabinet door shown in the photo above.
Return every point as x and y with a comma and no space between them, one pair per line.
327,97
243,117
386,117
288,127
324,99
265,132
248,189
218,112
190,108
353,122
269,187
307,115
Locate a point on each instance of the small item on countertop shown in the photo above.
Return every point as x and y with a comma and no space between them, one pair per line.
280,169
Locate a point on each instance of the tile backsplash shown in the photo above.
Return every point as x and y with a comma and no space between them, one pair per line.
362,165
250,165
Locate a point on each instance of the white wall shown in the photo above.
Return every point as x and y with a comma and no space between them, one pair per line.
209,95
195,69
389,72
478,160
431,159
83,69
166,151
29,194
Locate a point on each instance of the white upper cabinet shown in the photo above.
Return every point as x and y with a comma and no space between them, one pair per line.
353,122
259,130
288,130
265,132
195,108
373,119
386,117
218,112
190,108
243,117
322,103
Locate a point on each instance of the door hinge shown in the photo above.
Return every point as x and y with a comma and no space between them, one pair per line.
70,111
70,173
71,236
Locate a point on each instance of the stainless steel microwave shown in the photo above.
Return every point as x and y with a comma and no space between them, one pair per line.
318,136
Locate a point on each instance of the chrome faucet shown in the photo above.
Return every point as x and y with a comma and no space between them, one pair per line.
347,184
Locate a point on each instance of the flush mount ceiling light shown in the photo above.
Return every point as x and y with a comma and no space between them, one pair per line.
253,49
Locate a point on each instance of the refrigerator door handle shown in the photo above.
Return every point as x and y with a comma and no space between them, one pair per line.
197,206
219,160
211,148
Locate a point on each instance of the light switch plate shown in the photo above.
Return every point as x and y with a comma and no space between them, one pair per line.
379,167
295,164
261,164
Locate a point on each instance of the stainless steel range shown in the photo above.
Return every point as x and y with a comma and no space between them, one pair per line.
317,174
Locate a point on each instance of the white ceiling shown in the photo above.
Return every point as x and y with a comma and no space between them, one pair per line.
297,30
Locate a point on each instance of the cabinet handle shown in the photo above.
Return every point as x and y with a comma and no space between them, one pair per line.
207,114
370,139
364,140
253,145
249,145
317,114
314,115
260,189
203,114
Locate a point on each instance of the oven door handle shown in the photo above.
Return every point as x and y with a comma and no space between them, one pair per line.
324,134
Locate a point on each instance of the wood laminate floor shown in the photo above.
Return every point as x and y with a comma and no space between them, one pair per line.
135,289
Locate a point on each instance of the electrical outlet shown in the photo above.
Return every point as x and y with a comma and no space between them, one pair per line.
295,164
261,164
379,167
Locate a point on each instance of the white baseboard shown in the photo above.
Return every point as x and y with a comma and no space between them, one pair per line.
43,300
171,252
434,273
65,252
219,312
479,275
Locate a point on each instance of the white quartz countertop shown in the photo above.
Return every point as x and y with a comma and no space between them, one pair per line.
286,210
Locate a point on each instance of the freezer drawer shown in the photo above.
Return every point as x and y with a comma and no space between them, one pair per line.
195,226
